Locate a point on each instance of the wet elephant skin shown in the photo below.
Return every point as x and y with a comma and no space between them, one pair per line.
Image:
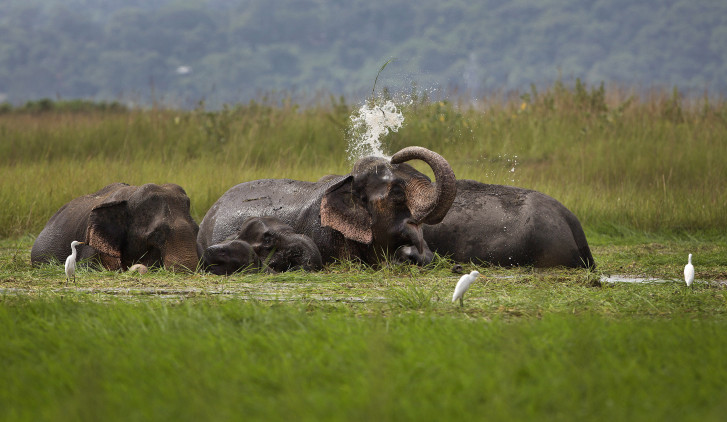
376,211
508,226
123,225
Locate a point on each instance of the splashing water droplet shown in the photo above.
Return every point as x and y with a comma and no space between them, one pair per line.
368,125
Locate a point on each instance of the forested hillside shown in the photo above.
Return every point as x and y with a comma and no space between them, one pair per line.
181,52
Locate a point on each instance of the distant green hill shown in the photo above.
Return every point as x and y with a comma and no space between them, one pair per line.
181,52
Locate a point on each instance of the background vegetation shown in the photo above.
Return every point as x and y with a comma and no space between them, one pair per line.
623,163
179,52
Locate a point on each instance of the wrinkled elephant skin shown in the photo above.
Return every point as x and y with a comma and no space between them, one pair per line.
508,226
123,225
230,257
368,214
263,242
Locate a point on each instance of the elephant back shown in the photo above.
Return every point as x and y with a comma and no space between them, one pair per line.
284,199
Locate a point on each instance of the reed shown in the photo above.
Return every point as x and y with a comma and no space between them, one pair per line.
88,358
620,161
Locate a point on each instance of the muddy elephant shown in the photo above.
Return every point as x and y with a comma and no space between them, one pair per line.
123,225
377,211
508,226
229,257
263,242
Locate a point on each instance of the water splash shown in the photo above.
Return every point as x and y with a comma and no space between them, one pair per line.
368,125
512,161
504,163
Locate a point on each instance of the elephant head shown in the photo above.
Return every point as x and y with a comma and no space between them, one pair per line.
149,224
384,203
229,257
263,242
278,246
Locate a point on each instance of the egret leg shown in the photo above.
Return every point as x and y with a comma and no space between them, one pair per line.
461,302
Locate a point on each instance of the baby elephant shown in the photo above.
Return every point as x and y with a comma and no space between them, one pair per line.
229,257
263,243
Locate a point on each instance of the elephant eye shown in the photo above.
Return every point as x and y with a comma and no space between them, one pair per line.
158,235
396,193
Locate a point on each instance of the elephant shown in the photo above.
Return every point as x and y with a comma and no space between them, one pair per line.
509,226
229,257
263,242
374,212
123,225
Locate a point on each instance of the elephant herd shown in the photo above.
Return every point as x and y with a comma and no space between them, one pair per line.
382,210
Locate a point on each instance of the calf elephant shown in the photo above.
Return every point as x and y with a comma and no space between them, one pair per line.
123,225
377,210
507,226
267,242
230,257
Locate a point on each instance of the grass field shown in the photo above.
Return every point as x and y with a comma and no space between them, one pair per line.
209,359
646,177
620,164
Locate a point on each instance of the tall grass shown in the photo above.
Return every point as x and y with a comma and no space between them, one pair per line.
621,162
84,359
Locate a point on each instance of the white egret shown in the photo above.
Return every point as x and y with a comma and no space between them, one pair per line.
71,262
689,272
462,285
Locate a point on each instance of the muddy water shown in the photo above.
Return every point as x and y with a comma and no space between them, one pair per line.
287,292
632,279
654,280
278,293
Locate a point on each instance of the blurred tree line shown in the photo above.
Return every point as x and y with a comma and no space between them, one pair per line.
181,52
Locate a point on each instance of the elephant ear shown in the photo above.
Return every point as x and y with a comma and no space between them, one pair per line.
257,233
343,211
107,230
252,230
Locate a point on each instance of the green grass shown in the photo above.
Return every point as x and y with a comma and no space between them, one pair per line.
85,358
359,343
645,176
645,165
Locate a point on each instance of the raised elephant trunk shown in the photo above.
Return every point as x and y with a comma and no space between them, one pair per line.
429,207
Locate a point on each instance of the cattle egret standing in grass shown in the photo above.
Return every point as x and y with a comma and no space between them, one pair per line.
462,285
71,262
689,272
